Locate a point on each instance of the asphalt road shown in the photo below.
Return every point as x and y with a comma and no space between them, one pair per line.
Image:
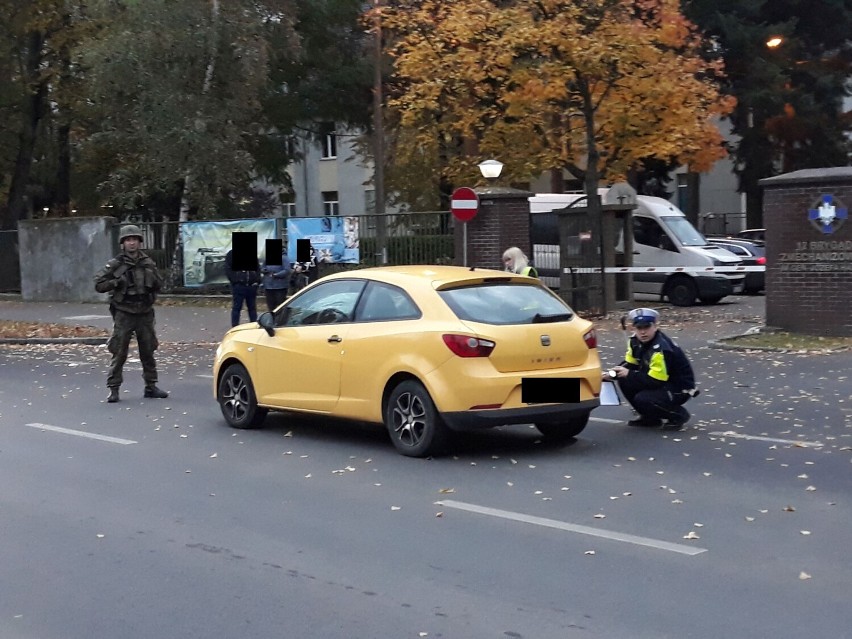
151,518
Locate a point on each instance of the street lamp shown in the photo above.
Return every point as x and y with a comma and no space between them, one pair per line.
774,41
490,169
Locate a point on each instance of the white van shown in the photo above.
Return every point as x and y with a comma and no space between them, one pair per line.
662,237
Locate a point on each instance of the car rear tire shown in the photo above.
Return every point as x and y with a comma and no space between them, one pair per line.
414,424
237,399
681,290
710,300
563,431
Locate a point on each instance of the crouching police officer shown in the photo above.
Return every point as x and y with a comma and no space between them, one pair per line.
132,281
655,377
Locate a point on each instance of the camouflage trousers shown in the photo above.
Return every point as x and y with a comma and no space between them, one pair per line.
124,327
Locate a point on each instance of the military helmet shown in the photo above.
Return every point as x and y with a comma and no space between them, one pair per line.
130,230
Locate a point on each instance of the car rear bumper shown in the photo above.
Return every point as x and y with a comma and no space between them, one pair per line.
479,419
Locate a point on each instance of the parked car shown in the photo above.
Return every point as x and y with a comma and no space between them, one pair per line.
752,253
424,350
753,234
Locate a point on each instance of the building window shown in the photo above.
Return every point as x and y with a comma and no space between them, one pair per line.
330,203
329,140
288,209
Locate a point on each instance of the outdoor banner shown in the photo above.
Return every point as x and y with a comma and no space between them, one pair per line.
205,245
333,239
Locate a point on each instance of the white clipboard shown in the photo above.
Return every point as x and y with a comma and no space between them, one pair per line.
609,394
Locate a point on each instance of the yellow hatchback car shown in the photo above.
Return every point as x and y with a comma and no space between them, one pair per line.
423,350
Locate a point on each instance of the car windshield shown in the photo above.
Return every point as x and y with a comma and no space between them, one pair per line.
506,303
683,230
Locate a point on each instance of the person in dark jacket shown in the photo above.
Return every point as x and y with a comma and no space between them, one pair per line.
276,281
132,281
655,377
243,290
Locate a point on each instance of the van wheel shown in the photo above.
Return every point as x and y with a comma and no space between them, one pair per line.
681,290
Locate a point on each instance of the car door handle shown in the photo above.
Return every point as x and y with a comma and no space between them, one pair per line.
334,339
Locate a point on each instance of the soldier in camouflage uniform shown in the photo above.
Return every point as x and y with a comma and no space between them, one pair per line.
132,280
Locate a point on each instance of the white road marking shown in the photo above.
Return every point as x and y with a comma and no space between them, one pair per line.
605,420
576,528
82,433
83,318
793,442
205,376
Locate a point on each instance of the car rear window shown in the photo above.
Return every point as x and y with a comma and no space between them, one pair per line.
506,303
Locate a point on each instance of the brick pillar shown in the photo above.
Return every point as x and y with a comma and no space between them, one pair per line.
809,261
503,220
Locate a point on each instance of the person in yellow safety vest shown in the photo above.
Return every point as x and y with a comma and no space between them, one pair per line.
516,262
655,377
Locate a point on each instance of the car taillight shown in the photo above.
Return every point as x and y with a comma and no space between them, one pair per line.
761,261
467,346
591,339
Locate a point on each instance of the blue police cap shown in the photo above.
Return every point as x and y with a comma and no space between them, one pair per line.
643,316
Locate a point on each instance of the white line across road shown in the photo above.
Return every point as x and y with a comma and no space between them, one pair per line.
82,433
606,420
575,528
774,440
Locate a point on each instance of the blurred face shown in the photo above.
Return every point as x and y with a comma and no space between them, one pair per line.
131,244
509,263
645,332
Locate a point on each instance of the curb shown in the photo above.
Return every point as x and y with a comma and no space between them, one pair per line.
92,341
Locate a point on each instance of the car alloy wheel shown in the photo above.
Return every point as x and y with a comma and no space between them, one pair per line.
412,420
237,398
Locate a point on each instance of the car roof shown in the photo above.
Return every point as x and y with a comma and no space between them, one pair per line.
438,276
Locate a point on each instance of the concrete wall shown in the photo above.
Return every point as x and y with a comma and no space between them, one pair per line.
60,257
808,270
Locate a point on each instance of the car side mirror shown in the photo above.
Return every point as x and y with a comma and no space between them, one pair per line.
267,322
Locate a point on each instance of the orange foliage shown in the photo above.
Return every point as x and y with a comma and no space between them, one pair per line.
549,84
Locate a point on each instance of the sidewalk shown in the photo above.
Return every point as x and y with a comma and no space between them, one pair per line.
175,322
186,323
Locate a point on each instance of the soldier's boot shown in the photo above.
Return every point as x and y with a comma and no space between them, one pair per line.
157,393
112,398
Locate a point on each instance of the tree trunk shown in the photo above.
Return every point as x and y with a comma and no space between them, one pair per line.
33,108
185,201
63,172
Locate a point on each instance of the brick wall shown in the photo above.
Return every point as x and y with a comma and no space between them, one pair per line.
503,220
808,272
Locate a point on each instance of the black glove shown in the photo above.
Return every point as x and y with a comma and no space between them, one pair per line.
120,284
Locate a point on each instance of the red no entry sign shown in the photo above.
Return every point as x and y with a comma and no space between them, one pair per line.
464,204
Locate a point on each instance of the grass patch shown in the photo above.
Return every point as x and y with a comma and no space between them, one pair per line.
781,340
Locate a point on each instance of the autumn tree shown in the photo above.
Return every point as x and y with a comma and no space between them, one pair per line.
790,112
178,88
37,81
591,86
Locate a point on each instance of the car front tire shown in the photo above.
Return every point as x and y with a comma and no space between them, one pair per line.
237,399
563,431
681,291
414,424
